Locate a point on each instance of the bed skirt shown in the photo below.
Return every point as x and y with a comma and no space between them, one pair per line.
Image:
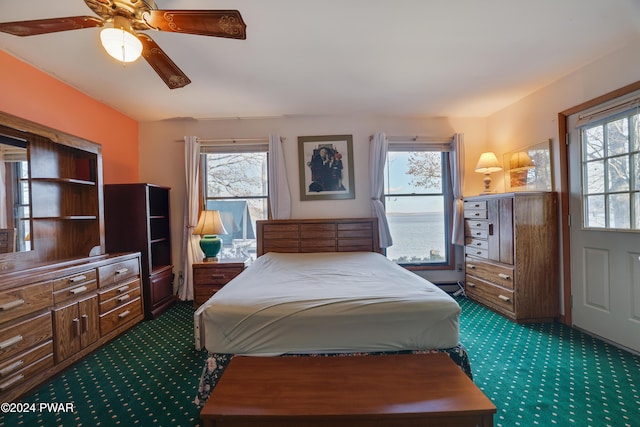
216,363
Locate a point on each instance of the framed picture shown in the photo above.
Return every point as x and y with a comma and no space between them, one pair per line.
529,168
326,167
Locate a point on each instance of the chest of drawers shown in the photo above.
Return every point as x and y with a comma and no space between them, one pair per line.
511,254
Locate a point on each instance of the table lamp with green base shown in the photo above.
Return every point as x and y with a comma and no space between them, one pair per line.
209,227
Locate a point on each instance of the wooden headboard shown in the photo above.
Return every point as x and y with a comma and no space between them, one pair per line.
318,235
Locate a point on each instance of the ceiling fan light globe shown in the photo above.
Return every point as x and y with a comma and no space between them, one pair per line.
121,44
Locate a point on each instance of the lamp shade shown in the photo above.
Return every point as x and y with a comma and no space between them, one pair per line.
520,161
120,42
209,225
488,163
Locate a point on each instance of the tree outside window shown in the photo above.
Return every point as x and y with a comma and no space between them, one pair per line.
236,184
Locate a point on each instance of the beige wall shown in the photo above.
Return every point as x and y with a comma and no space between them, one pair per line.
162,158
535,118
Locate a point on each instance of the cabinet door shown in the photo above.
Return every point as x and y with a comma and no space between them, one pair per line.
89,321
75,326
66,330
500,239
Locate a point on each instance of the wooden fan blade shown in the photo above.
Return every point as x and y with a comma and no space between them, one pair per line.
162,64
215,23
45,26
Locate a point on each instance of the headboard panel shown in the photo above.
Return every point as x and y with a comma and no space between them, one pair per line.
318,235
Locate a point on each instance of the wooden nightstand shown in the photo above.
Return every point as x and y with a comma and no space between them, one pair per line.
210,277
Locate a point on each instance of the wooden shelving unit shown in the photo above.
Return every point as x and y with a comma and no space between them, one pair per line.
137,219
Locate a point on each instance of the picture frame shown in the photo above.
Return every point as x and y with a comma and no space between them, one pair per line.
326,167
529,168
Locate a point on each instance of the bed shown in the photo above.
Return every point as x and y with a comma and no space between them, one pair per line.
322,288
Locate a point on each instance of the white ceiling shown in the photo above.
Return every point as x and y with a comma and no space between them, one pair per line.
464,58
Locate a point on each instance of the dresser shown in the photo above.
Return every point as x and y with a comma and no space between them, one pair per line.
210,277
52,316
512,254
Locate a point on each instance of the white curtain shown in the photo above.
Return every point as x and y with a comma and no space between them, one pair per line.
377,160
191,251
456,161
279,195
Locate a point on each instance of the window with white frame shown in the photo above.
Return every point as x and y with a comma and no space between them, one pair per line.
610,143
235,182
418,203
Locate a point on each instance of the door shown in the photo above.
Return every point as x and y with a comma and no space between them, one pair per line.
605,244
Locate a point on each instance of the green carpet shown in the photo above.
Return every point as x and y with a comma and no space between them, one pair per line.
547,374
536,375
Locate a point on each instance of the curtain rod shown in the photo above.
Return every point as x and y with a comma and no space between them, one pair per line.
418,138
238,141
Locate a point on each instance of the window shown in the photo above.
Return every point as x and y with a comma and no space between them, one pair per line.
417,197
611,172
235,182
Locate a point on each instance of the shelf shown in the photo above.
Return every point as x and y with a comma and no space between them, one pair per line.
64,181
66,217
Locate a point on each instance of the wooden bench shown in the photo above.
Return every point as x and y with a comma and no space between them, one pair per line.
367,391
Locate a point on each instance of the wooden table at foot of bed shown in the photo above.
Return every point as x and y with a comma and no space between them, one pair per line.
367,391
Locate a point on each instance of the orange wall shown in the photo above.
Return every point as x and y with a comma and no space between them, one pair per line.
29,93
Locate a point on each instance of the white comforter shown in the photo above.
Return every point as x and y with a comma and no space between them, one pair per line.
328,302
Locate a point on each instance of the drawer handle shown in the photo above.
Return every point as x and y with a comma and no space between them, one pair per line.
477,214
78,290
471,284
471,266
478,252
122,270
124,298
123,289
5,385
13,367
124,314
478,233
504,276
478,244
77,279
504,298
217,276
11,304
11,341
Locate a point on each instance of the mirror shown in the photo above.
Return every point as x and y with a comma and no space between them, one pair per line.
15,198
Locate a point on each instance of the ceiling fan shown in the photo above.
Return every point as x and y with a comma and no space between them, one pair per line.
125,17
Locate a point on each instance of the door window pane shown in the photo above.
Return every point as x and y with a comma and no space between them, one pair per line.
594,213
618,173
619,211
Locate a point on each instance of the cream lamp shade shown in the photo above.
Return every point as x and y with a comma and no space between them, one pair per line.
120,42
209,226
487,164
